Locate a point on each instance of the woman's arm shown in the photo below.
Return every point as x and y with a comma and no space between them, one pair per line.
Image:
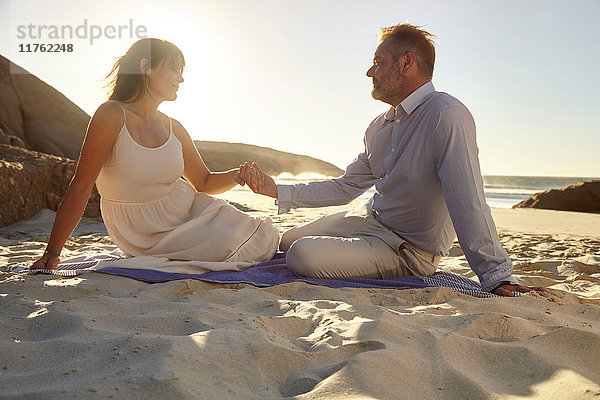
101,134
195,170
219,182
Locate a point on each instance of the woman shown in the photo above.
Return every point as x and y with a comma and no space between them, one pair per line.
136,155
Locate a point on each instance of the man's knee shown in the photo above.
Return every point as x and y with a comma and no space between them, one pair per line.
303,257
287,239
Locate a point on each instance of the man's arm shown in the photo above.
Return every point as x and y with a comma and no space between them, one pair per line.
458,169
338,191
331,192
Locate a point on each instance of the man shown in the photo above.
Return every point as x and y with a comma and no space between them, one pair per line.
421,155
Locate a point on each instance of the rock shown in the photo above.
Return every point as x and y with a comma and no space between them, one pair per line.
30,181
581,196
35,115
6,137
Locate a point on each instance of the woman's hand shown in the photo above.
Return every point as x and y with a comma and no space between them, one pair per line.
48,261
237,177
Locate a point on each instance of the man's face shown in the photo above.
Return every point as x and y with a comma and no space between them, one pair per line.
389,82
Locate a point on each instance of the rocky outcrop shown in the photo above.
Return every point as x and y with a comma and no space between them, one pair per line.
36,116
30,181
581,196
9,138
221,156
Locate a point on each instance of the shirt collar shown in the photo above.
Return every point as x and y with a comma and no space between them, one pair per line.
413,100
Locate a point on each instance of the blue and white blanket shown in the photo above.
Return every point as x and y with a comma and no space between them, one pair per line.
269,273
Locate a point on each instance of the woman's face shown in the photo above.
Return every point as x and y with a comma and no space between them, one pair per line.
163,81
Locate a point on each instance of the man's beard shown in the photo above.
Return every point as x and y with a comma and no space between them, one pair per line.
395,83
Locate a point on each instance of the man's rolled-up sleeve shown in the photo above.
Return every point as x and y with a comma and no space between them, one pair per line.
456,153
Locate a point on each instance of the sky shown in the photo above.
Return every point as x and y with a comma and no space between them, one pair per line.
290,74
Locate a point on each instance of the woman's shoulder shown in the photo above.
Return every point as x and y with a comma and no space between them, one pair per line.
108,119
111,109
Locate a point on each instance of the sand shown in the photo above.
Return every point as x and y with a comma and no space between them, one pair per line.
98,336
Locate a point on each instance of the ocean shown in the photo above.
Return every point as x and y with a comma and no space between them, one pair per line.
500,191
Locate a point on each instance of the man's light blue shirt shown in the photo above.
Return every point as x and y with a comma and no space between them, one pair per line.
422,157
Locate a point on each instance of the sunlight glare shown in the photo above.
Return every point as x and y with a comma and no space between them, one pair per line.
38,312
69,282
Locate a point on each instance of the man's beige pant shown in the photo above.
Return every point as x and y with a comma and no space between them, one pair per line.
353,244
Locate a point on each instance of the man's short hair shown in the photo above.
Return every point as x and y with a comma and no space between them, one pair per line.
412,38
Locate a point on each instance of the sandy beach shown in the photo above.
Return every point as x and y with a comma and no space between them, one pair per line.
98,336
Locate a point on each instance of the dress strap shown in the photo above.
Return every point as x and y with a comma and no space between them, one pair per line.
170,125
122,108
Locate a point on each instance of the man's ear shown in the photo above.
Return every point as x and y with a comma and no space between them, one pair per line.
410,61
144,66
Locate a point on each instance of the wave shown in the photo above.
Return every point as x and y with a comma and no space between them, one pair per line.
303,177
534,183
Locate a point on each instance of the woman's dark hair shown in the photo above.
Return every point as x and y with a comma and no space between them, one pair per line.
127,83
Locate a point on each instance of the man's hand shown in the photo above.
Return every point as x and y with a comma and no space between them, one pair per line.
507,290
257,180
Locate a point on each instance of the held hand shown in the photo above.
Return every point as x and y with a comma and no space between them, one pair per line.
236,176
263,183
257,180
508,289
48,261
246,174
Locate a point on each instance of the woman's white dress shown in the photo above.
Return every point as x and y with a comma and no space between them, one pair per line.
159,220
